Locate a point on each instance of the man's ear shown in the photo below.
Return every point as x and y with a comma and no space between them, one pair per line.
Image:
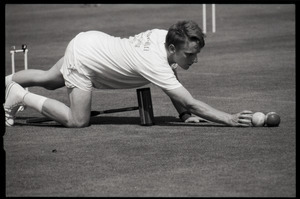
172,49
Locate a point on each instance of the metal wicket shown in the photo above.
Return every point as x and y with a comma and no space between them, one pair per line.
24,50
213,17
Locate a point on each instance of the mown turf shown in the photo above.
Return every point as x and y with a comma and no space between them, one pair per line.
248,64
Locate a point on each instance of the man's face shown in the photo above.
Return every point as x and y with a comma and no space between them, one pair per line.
186,55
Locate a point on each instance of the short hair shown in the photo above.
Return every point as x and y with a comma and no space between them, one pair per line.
185,30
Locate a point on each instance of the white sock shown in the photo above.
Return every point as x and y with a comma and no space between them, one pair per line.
34,101
8,79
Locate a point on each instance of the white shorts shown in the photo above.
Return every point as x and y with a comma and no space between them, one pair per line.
73,72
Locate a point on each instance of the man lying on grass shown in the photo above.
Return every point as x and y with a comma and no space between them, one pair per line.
97,60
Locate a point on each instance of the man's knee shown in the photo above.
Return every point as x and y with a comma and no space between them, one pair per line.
78,124
78,121
80,108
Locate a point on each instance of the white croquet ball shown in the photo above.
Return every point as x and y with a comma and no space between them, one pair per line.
258,119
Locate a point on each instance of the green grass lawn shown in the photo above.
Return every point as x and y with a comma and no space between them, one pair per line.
248,64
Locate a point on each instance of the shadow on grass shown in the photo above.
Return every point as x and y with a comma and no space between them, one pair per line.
159,121
119,120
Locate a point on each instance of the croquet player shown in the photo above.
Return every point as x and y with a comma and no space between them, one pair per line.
96,60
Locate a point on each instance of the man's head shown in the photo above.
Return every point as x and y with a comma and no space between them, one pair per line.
184,41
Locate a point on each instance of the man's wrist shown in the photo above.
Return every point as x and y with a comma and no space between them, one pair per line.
185,115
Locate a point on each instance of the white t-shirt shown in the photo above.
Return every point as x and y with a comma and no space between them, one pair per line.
121,63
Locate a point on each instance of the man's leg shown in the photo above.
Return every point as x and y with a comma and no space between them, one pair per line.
77,115
51,79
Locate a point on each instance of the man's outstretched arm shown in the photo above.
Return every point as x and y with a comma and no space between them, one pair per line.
182,97
185,115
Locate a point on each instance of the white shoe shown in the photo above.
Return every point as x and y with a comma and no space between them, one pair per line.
13,101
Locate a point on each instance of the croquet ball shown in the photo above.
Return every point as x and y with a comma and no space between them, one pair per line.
9,122
272,119
258,119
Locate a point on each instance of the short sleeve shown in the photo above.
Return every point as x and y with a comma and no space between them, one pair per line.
159,74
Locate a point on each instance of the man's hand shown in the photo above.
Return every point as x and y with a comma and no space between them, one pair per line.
242,119
195,119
